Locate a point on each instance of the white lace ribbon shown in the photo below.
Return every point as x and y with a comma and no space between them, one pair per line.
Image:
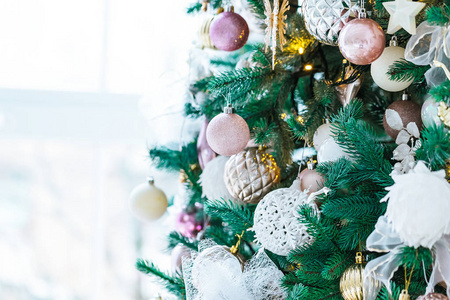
384,239
431,46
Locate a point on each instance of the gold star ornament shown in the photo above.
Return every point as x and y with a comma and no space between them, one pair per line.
403,15
276,25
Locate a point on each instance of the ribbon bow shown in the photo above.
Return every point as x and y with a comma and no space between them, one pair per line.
431,46
384,239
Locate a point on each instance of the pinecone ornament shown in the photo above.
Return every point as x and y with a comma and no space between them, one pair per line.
324,19
250,175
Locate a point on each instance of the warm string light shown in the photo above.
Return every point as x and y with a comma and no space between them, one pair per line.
301,50
300,119
283,116
308,67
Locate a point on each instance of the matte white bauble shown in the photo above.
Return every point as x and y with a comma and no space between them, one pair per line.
429,113
147,202
322,133
381,66
330,151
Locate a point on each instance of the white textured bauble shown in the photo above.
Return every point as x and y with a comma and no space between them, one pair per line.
227,134
322,133
276,222
419,206
330,151
381,66
212,182
147,202
429,113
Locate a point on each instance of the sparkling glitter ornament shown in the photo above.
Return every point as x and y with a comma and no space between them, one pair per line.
227,133
399,114
351,284
429,113
229,31
276,222
362,41
147,202
276,25
205,153
381,66
250,175
310,180
433,296
324,19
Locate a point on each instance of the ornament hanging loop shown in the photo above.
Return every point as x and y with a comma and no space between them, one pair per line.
151,180
362,11
394,41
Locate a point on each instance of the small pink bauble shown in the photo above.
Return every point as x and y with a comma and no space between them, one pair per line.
310,179
433,296
176,257
204,151
188,224
229,31
227,134
362,41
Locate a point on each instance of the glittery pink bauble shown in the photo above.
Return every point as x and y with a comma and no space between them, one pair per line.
229,31
362,41
227,134
188,225
310,179
176,257
205,153
433,296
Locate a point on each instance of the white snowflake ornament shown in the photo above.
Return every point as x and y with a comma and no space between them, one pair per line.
419,205
276,223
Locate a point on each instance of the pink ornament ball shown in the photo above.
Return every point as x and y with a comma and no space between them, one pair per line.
229,31
205,153
362,41
310,180
188,224
227,134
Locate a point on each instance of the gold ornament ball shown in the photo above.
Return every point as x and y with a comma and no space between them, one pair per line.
351,284
250,175
433,296
147,202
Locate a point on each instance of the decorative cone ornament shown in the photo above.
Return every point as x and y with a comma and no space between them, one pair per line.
347,92
205,153
250,175
227,133
147,202
362,40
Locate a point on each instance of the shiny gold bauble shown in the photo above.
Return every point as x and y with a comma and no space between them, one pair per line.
250,175
447,170
204,33
351,284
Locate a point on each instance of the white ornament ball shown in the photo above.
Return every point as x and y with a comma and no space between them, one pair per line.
212,182
419,205
382,65
227,134
330,151
322,133
147,202
429,113
276,222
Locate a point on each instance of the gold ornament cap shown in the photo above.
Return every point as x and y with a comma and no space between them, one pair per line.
404,295
359,258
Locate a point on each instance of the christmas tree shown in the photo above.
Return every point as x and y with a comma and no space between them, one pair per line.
321,171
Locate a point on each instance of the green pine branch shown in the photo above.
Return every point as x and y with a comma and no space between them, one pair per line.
438,15
176,238
403,70
435,146
173,284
